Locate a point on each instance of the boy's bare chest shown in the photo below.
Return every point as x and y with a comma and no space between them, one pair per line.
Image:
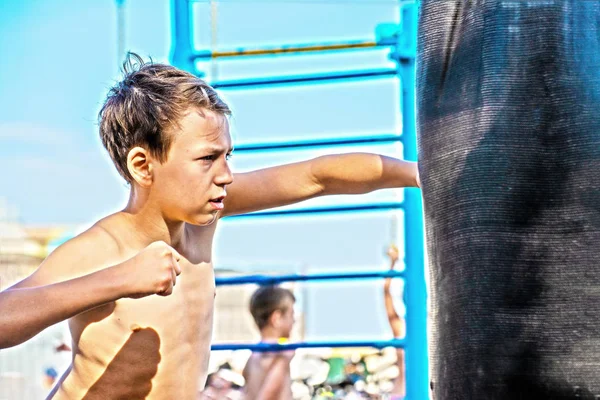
185,316
192,299
152,336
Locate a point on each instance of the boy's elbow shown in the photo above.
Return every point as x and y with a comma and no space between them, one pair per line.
6,340
317,176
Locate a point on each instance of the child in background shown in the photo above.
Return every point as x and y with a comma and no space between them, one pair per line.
267,375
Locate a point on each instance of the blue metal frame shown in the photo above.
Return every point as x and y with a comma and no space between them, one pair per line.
415,295
261,279
300,79
323,210
329,142
182,47
262,347
415,291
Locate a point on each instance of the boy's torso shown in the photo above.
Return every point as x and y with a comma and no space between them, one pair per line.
149,348
255,374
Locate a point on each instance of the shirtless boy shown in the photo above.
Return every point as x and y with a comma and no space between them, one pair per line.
397,324
267,375
167,133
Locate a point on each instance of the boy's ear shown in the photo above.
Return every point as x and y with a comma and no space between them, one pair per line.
139,165
275,318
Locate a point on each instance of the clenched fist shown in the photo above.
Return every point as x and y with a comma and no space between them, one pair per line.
153,270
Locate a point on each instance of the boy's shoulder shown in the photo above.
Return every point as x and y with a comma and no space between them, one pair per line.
88,252
254,365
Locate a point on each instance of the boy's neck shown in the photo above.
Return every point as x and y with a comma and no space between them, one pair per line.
270,335
149,224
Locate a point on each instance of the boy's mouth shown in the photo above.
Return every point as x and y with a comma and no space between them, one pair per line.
217,199
217,202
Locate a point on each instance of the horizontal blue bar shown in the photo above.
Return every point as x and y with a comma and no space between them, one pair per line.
300,144
304,78
275,279
262,347
323,210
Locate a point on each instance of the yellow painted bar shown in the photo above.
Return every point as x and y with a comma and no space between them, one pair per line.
293,49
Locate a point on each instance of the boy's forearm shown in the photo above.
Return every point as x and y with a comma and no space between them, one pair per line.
358,173
390,310
396,323
28,311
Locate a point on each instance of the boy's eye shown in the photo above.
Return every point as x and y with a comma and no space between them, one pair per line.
208,158
228,156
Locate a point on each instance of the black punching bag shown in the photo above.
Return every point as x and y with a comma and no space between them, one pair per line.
508,116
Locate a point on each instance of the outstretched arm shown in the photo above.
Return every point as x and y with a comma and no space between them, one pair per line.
354,173
396,323
32,306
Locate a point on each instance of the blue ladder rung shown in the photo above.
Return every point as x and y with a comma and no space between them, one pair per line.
262,347
323,210
301,144
244,83
262,279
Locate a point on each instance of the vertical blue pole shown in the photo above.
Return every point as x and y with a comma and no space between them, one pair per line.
120,32
181,45
415,291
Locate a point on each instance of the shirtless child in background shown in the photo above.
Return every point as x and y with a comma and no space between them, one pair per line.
267,374
167,133
398,326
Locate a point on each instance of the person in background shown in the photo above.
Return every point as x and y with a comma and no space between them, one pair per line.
267,374
397,324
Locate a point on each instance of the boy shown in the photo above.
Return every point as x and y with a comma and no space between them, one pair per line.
267,375
398,327
167,133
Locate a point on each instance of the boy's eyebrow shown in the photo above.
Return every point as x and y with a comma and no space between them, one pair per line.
216,149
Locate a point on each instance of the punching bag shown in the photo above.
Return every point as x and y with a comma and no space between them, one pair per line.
508,116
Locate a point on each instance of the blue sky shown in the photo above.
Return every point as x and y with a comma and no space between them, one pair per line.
59,57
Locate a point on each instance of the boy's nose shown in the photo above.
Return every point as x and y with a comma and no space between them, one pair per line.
225,177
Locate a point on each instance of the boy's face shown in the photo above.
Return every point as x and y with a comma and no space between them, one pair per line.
287,318
190,185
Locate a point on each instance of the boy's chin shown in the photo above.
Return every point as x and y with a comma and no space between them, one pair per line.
205,220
